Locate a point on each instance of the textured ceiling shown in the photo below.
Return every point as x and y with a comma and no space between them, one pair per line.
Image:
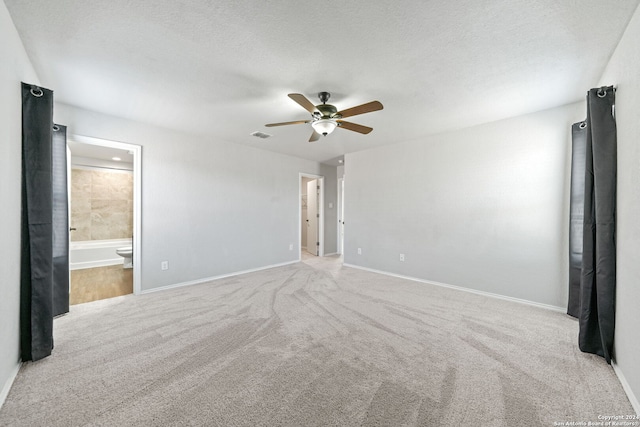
223,69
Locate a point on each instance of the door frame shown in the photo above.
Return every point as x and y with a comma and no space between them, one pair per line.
137,198
320,179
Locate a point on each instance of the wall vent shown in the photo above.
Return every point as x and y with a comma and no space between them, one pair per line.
261,135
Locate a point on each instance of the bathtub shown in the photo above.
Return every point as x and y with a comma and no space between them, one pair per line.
95,253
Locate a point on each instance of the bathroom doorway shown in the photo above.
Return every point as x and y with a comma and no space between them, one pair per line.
104,195
311,215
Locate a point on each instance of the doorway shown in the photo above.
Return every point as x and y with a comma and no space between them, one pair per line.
105,196
341,216
311,218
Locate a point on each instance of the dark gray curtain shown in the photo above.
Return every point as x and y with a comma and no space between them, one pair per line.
576,209
598,276
36,288
60,221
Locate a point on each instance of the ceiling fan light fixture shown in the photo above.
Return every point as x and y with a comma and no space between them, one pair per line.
325,118
324,126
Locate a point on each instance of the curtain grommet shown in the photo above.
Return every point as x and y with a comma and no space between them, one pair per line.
36,91
56,128
602,92
583,125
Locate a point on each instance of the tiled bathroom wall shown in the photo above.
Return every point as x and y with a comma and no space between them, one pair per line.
101,204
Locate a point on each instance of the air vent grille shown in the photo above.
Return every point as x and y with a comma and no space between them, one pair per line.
261,135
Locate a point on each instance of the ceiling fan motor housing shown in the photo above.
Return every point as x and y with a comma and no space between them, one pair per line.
328,111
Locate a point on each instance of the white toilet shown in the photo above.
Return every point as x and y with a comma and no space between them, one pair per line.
126,253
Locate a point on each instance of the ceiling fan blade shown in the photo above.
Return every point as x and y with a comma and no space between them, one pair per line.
354,127
314,136
303,102
297,122
361,109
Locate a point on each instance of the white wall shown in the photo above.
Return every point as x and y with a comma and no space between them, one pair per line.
623,70
14,69
208,207
484,208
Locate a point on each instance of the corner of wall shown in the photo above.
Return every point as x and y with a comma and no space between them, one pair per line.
623,70
16,68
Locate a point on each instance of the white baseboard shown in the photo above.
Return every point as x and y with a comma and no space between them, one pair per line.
209,279
627,388
460,288
7,385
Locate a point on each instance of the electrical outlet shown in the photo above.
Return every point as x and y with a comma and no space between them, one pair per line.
401,257
359,251
164,265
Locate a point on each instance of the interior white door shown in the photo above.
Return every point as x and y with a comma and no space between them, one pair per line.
341,216
312,217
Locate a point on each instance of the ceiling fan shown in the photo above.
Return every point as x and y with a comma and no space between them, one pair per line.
326,117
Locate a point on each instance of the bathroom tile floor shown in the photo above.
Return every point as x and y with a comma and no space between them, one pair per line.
92,284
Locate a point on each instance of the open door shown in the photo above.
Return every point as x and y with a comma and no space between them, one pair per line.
60,243
341,216
313,243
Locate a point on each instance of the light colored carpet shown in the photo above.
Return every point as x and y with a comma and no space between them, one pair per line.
309,344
